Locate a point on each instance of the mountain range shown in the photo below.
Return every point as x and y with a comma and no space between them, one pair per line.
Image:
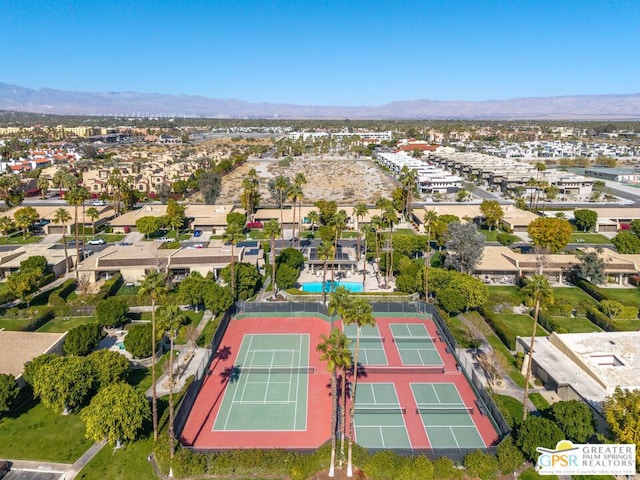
62,102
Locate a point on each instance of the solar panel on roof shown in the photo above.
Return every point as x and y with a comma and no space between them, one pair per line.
253,251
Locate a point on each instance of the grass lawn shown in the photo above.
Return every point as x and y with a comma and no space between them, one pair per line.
490,235
627,325
404,231
516,325
193,318
539,401
125,290
128,462
18,240
573,295
64,324
37,433
576,324
459,331
110,237
510,407
349,235
580,237
500,294
12,324
626,296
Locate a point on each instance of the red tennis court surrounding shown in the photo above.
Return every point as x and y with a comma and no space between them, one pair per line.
268,389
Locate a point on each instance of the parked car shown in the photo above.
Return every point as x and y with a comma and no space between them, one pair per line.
97,241
124,244
98,203
72,243
197,233
162,239
42,222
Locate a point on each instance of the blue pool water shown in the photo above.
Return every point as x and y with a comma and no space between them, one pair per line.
330,286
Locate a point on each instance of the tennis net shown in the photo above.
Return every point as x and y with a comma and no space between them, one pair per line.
381,410
412,339
273,370
426,369
445,409
367,339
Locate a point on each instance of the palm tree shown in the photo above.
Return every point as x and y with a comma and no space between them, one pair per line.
378,225
325,252
536,291
408,177
153,286
430,218
43,185
359,211
251,192
358,312
340,298
281,186
338,222
294,194
233,235
314,217
94,215
170,318
389,218
6,224
9,183
76,197
300,180
272,229
344,367
62,216
330,352
115,181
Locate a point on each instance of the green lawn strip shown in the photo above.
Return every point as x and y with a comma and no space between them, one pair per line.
573,295
459,331
193,318
110,237
18,240
126,290
12,324
500,294
349,235
539,401
38,433
579,238
630,325
128,462
510,407
490,235
576,324
626,296
516,325
404,231
64,324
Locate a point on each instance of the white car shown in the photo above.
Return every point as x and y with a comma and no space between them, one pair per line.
97,241
98,203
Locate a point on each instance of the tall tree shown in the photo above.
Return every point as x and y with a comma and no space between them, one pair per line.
250,197
492,213
63,383
115,184
279,187
170,318
272,229
359,313
24,218
6,224
294,194
585,219
408,179
43,183
153,286
301,181
209,185
175,215
9,184
338,223
117,413
325,252
537,291
552,234
62,216
76,196
430,218
622,411
465,246
232,236
93,214
359,212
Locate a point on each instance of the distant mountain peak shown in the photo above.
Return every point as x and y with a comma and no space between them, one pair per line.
568,107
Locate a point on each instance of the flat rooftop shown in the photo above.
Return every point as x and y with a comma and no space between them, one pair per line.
18,348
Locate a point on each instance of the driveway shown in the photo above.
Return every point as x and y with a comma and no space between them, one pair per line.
133,237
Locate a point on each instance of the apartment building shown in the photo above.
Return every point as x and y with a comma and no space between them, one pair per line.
429,178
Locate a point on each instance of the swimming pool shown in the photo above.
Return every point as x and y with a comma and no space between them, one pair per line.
331,286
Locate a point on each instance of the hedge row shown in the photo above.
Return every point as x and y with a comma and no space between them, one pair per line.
489,315
591,289
60,294
109,288
43,316
545,319
600,319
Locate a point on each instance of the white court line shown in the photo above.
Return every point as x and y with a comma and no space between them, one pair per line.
233,399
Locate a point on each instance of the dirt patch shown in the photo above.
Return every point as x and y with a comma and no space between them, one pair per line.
344,180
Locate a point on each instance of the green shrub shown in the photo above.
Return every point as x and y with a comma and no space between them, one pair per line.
83,339
109,288
208,332
611,308
492,319
112,311
138,341
600,319
590,289
546,321
537,432
384,465
480,464
628,312
509,456
560,308
444,467
42,317
188,464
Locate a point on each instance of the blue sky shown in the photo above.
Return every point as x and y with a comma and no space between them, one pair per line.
324,52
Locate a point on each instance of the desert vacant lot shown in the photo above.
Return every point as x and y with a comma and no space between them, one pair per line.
343,180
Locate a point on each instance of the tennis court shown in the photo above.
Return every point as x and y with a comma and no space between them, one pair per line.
379,418
267,385
447,421
415,345
371,348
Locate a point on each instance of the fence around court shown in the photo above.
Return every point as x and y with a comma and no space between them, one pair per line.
369,296
290,309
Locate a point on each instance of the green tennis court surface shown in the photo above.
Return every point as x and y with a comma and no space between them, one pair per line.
267,386
371,349
379,418
446,420
414,344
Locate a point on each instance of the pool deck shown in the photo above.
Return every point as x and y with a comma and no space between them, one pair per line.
373,283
